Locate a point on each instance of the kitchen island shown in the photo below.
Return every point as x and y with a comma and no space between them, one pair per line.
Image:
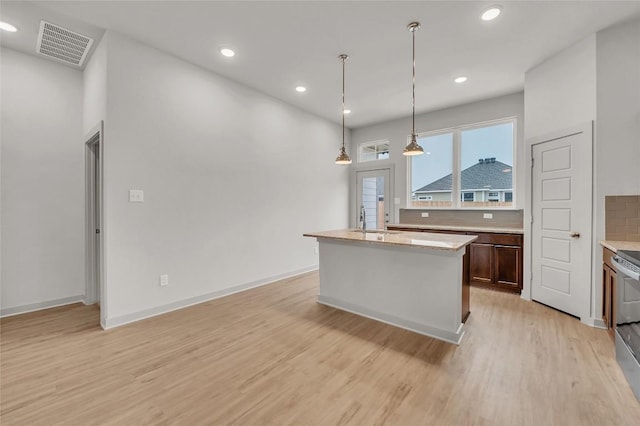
413,280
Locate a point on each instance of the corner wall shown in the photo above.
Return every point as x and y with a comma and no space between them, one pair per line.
595,79
559,94
617,148
42,184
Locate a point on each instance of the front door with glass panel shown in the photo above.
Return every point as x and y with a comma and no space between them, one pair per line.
372,189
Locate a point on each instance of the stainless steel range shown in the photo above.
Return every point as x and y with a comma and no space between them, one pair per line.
627,263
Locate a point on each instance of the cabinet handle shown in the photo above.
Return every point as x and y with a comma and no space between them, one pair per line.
575,235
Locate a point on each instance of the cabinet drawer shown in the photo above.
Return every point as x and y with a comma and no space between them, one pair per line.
501,239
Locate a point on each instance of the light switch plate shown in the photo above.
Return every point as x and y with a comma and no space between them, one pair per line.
487,216
164,280
424,214
136,196
396,201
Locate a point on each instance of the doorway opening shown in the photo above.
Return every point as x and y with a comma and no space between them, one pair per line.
94,290
373,189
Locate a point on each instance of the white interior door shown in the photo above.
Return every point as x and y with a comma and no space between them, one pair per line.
372,192
561,228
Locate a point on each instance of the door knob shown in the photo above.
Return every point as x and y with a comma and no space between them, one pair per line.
575,235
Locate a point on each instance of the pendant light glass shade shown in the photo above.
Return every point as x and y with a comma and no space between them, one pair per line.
343,158
413,148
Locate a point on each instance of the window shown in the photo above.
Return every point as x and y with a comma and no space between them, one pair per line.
486,161
483,165
371,151
431,183
468,196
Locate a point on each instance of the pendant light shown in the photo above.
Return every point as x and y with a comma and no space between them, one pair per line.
343,158
413,148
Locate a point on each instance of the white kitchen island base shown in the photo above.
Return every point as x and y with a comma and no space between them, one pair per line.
411,286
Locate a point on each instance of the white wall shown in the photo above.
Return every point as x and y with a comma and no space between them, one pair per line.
618,125
42,183
232,178
397,132
94,99
561,92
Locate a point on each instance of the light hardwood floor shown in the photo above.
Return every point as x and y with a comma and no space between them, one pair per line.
271,355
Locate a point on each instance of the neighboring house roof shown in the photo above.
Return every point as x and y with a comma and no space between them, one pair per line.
486,174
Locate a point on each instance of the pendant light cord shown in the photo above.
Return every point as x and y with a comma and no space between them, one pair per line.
413,111
343,60
413,148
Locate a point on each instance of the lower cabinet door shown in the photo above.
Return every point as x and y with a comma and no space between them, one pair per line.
481,262
507,265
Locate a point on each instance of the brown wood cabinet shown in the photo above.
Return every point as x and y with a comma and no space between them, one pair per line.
506,258
495,260
483,263
608,291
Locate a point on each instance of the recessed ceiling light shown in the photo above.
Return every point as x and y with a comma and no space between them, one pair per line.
227,52
460,79
8,27
347,111
301,89
491,13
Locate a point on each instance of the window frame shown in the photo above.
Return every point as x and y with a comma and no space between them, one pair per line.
373,143
456,193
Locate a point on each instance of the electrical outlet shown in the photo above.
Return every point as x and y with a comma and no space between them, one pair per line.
164,280
487,216
424,214
136,196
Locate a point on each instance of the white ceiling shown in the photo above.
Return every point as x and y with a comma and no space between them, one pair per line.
283,44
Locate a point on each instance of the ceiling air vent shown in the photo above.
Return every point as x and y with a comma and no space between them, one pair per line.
62,44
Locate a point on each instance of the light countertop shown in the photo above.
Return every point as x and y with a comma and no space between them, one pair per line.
614,246
451,242
461,228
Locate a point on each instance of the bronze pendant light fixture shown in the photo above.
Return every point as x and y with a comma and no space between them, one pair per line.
413,148
343,158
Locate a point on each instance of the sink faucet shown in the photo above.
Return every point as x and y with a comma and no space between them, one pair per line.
363,219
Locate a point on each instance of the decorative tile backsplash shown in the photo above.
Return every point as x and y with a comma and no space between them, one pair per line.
622,217
486,218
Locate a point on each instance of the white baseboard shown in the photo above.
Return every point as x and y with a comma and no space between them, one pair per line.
419,328
109,323
32,307
594,322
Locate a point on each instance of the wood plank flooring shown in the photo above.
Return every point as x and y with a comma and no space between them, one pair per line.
272,356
